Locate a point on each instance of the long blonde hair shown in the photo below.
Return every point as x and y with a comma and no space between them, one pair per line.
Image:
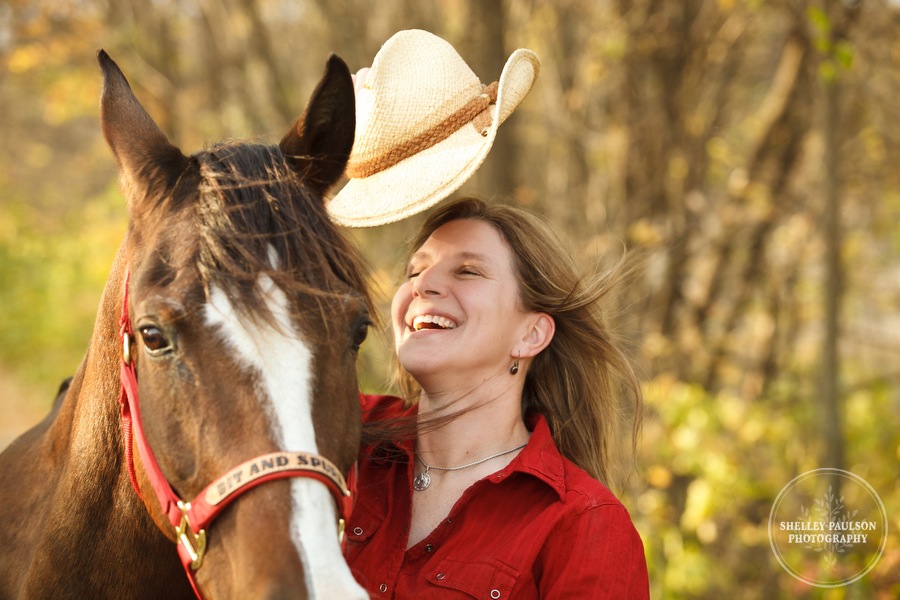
578,382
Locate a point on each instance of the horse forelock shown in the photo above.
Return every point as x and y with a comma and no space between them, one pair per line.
255,217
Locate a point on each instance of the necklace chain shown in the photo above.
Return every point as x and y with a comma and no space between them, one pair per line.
423,479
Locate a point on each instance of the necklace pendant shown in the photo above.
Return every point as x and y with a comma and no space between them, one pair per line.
422,481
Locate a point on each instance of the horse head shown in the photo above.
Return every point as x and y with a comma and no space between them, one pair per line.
244,307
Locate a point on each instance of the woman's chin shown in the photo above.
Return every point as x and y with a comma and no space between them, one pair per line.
422,370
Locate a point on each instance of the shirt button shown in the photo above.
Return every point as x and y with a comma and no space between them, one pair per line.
429,547
439,576
357,531
495,594
382,588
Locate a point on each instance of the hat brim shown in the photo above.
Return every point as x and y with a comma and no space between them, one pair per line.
424,179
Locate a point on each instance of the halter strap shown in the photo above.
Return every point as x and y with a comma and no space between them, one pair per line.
191,519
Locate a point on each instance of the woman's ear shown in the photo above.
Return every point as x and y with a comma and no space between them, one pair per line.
538,336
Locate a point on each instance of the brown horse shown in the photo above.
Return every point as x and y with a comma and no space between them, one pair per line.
244,308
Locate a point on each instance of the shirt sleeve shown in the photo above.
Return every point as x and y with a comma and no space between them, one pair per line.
598,554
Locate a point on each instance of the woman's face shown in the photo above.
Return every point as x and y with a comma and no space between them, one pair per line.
458,314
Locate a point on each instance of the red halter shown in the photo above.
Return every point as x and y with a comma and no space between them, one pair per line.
191,519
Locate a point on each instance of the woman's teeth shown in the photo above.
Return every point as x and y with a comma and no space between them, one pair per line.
432,322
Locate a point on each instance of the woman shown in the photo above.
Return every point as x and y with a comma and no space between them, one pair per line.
496,492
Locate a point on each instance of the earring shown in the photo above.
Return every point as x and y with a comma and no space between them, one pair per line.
515,367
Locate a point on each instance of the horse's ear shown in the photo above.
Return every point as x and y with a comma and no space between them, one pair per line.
145,156
319,143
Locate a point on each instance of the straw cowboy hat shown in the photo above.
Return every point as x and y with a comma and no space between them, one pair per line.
424,124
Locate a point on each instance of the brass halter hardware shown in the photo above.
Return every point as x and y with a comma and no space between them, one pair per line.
126,348
342,525
194,543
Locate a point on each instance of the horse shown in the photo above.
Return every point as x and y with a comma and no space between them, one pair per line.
234,311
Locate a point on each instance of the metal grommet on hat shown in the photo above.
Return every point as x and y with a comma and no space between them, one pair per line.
424,124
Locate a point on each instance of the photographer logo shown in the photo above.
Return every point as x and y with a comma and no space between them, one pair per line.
828,528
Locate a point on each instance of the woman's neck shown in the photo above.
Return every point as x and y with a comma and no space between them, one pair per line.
484,421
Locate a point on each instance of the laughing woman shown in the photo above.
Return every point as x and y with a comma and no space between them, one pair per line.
496,491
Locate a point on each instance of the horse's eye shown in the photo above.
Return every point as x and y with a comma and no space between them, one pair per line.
154,340
360,334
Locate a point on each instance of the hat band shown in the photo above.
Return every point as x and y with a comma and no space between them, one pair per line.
474,111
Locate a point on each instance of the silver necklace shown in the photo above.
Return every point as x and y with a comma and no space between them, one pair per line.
423,479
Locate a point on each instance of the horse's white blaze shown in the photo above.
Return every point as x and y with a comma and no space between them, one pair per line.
284,364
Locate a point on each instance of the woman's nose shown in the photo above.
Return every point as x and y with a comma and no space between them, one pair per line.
428,283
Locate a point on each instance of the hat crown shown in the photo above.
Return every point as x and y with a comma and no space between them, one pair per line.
424,124
416,81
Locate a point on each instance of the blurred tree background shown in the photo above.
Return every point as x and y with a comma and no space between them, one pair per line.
745,151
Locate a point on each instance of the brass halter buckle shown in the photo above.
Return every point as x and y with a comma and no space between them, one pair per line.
194,543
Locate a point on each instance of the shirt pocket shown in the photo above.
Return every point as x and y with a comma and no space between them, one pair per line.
363,525
484,580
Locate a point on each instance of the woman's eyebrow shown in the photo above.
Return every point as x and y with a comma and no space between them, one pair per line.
473,256
464,255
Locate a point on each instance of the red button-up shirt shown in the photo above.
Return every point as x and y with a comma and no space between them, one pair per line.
539,528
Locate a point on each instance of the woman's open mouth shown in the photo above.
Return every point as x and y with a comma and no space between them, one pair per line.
432,322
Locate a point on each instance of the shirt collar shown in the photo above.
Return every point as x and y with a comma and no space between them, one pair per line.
540,458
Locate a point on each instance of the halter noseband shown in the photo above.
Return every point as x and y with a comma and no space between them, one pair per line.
191,519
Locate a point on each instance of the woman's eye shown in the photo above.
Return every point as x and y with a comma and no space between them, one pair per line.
154,340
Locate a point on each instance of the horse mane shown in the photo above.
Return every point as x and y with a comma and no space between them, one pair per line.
255,217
